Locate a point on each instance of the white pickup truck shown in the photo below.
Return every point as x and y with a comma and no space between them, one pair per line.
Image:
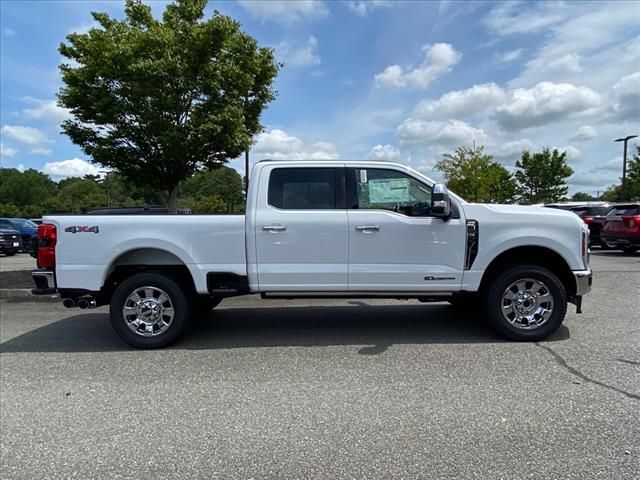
322,229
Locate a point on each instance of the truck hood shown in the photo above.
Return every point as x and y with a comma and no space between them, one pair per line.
523,214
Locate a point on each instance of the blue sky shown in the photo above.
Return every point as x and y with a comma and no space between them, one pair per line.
390,80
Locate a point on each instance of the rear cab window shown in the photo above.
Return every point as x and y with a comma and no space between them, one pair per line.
306,188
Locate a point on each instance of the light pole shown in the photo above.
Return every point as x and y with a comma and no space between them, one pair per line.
624,161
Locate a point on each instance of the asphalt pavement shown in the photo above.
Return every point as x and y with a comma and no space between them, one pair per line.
19,261
326,390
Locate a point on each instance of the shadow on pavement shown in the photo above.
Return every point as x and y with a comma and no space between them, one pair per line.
376,327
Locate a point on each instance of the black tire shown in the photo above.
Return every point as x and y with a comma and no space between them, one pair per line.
493,301
629,250
178,298
9,254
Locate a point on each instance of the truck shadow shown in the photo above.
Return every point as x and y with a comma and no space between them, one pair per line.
372,328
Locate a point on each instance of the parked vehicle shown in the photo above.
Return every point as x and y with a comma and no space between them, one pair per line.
10,241
26,228
622,228
322,229
594,217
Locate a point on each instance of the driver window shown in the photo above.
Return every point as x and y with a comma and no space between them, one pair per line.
392,190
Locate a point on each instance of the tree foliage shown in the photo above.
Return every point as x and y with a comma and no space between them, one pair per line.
158,100
542,176
632,185
582,197
475,176
33,194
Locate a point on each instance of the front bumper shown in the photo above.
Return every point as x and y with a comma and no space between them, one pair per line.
584,279
45,282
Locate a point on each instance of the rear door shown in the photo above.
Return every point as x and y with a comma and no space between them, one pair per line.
301,229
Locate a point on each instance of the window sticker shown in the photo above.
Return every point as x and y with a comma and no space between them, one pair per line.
389,190
363,176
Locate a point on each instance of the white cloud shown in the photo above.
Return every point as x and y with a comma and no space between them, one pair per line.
279,145
439,59
463,103
28,135
543,104
584,134
625,104
582,179
387,153
509,56
285,11
41,151
593,37
76,167
613,165
363,7
21,167
6,151
513,17
300,55
512,150
7,32
573,153
47,110
414,131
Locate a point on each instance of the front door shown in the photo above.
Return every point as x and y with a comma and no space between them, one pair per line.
301,230
394,243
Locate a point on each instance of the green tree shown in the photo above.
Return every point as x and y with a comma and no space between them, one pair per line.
23,189
159,100
475,176
582,197
80,196
222,182
542,176
632,185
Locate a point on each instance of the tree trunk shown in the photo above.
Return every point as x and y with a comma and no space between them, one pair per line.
172,201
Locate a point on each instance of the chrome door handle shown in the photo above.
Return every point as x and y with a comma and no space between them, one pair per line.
274,228
365,228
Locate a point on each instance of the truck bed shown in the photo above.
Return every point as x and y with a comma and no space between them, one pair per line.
88,244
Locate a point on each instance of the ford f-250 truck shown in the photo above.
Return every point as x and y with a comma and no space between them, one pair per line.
322,229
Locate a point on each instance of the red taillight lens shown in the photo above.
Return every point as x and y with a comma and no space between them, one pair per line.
47,238
587,219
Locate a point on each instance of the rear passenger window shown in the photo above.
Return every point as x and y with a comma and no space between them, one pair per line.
303,188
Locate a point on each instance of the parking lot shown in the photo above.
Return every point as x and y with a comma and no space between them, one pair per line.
326,389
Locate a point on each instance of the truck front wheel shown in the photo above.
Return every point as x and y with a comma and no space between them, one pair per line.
526,303
149,310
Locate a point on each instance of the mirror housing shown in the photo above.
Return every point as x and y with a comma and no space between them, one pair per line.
440,201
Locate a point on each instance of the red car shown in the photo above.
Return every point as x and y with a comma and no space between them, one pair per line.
622,228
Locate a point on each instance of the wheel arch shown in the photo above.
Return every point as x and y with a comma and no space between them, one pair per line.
531,255
146,259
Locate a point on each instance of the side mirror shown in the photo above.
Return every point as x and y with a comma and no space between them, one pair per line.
440,201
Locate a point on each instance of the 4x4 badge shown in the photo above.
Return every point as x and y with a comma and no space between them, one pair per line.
82,229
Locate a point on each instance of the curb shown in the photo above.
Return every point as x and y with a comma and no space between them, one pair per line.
24,293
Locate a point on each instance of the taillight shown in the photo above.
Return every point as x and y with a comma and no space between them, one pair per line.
587,219
47,238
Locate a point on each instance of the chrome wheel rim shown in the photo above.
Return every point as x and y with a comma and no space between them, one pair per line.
148,311
527,304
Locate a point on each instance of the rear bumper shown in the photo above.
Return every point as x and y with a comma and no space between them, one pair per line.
45,281
584,279
632,241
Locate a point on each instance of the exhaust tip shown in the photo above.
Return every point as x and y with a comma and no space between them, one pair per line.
83,304
69,302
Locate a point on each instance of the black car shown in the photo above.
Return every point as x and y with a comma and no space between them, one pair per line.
10,241
594,217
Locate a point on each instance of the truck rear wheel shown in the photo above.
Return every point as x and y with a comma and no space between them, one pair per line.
149,310
526,303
